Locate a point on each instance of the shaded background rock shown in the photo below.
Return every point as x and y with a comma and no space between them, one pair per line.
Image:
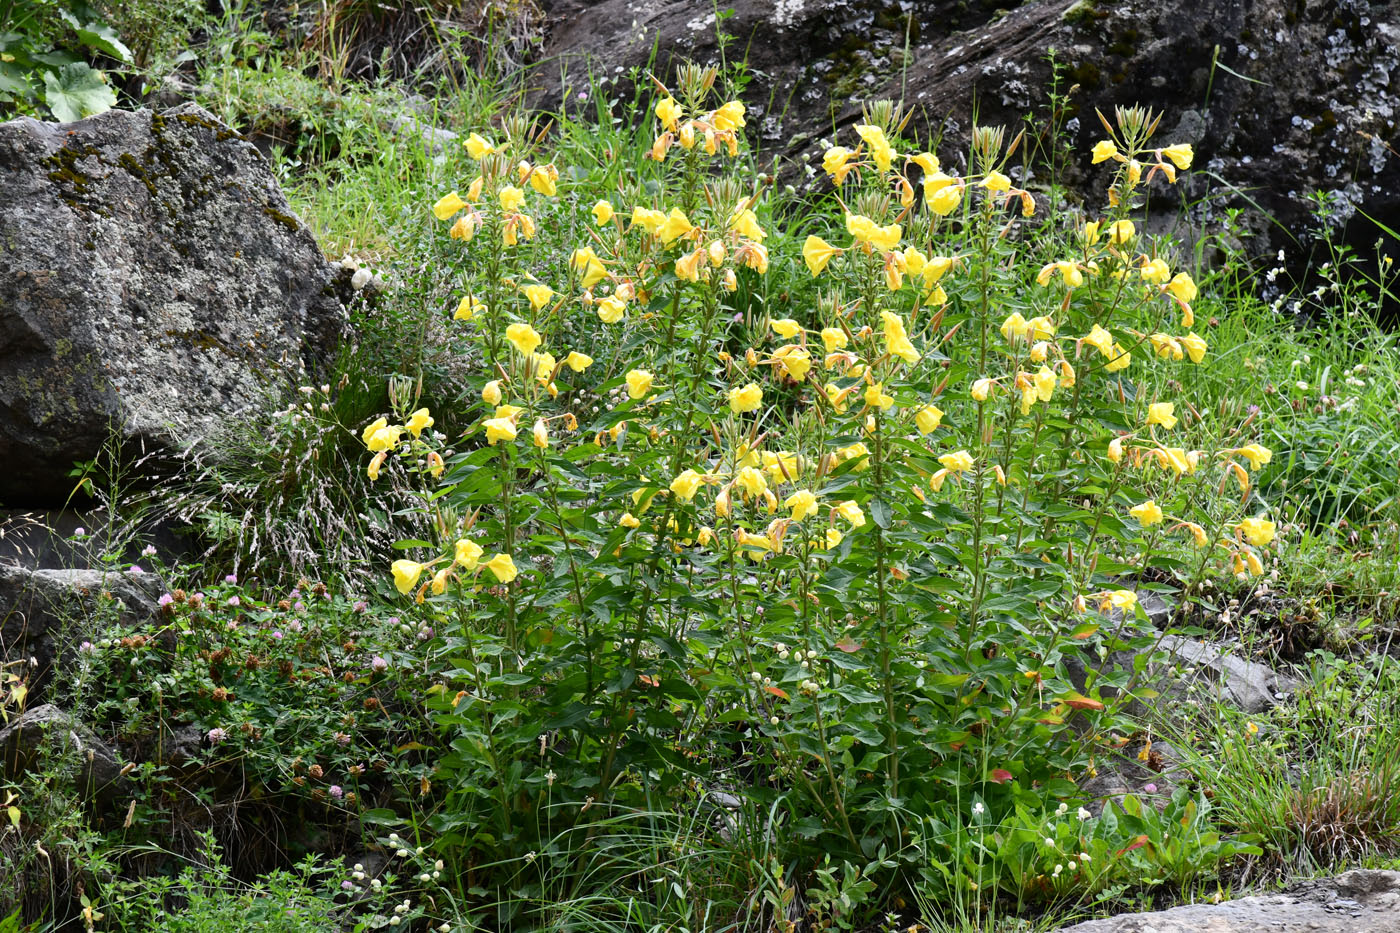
98,767
1280,98
47,614
153,283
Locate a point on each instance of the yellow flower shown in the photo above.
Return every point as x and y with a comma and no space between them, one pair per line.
375,463
384,438
1045,381
945,200
728,117
406,574
995,181
474,189
448,205
1104,150
611,309
794,361
880,149
467,309
371,429
1257,454
511,198
751,481
754,255
540,434
1183,288
958,462
896,340
817,252
833,538
1195,347
936,480
1166,346
1147,513
981,389
834,338
1115,450
1068,271
1162,413
1014,327
668,112
745,223
802,502
577,361
1090,232
786,328
463,228
603,212
676,225
1177,460
837,163
886,238
857,451
928,418
639,383
478,147
1180,155
468,552
1100,340
543,180
419,420
628,520
1121,231
1123,600
875,396
1119,359
1040,328
1251,560
688,266
503,567
716,252
1257,531
649,220
1155,271
851,512
585,261
522,336
539,296
499,429
686,484
1198,534
747,398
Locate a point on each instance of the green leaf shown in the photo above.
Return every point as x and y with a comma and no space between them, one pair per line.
77,91
104,39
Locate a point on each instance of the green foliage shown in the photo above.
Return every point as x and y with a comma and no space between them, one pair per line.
41,63
1317,782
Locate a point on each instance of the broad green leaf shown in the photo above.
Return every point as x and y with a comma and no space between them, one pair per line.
104,39
77,91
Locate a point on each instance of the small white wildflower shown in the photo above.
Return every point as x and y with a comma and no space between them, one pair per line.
978,809
1084,814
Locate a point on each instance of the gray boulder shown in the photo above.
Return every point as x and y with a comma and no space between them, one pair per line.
1360,900
153,284
45,615
1249,685
21,741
